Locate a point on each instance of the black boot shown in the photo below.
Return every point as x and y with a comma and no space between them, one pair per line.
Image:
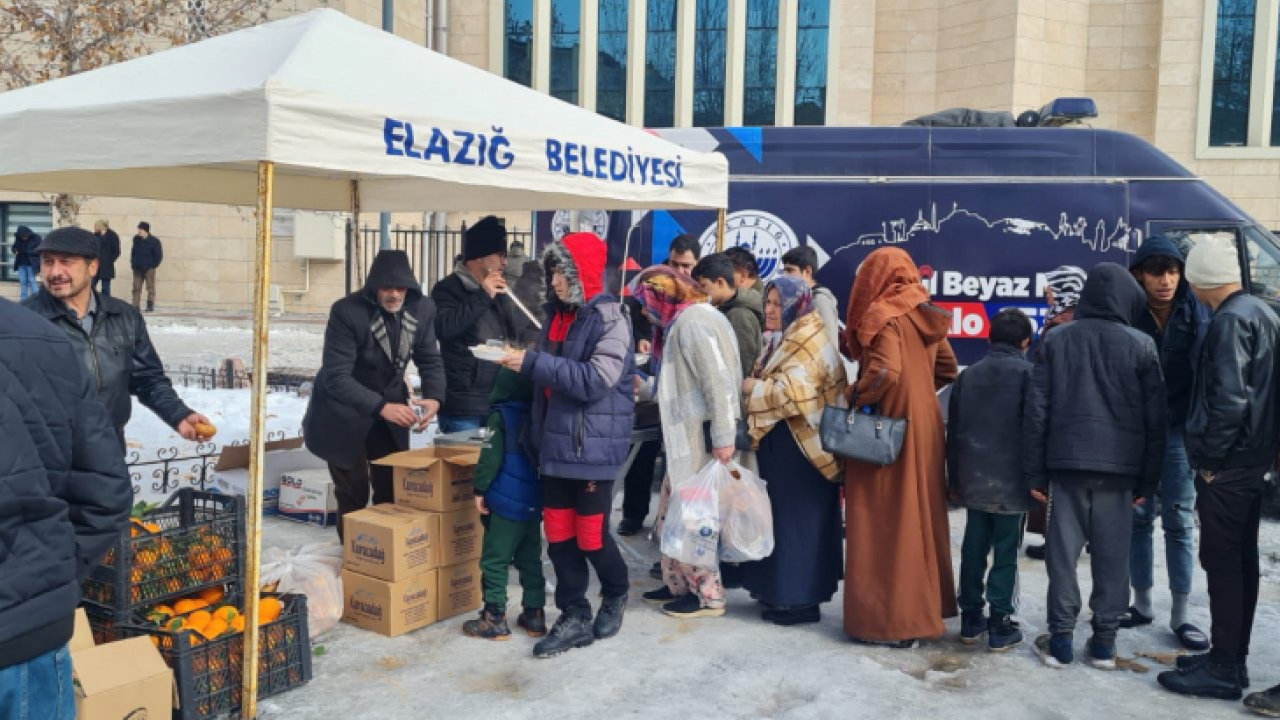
151,307
609,617
1266,702
491,625
1192,661
792,616
1208,680
572,630
660,596
1002,634
1036,552
973,625
533,621
629,527
731,576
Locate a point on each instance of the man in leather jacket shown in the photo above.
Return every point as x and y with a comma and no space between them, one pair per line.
1231,442
109,335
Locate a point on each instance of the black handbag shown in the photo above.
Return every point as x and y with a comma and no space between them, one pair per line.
741,438
874,439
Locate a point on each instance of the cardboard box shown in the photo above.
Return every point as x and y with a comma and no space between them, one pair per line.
231,474
459,590
435,479
389,608
122,680
308,496
461,536
391,543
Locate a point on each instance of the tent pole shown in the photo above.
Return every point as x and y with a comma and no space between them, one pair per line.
357,238
720,230
257,436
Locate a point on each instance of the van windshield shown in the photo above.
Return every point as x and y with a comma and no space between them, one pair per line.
1264,263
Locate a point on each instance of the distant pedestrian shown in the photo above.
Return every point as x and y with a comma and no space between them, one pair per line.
26,260
1232,429
1094,446
516,259
108,253
145,259
984,469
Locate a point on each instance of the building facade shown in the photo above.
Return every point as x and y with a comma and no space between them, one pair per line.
1198,78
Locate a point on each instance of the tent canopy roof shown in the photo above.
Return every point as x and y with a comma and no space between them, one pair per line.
330,100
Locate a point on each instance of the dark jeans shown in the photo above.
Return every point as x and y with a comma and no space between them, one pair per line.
1230,511
575,516
637,488
984,532
507,541
351,487
102,285
39,689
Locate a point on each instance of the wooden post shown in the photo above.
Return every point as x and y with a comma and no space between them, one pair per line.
257,439
357,237
720,215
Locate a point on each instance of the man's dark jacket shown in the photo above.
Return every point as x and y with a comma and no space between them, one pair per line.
147,253
745,312
1097,401
1233,419
119,357
64,489
466,317
357,378
1183,334
108,253
26,248
984,433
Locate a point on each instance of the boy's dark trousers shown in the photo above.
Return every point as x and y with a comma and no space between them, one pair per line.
983,533
1230,510
506,541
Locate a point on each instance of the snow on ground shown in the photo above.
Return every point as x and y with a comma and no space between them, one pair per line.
290,347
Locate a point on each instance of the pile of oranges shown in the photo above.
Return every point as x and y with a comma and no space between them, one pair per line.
206,619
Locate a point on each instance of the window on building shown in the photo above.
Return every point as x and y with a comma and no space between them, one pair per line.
517,51
811,62
761,76
566,22
36,216
1232,73
660,65
611,63
709,53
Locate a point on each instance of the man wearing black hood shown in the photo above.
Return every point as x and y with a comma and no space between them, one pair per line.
1177,322
360,409
1095,433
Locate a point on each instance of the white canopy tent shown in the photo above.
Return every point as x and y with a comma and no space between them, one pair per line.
321,112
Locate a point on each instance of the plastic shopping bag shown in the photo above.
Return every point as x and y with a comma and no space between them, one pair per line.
746,517
311,570
691,530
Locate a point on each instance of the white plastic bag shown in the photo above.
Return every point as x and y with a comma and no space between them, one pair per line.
311,570
691,530
746,518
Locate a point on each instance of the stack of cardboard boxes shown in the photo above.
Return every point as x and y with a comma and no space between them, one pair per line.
408,565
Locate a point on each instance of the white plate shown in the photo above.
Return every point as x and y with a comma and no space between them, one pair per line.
642,358
488,354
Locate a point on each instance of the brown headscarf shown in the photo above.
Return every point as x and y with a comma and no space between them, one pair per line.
887,286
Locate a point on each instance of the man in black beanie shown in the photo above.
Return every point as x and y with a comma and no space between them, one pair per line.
471,309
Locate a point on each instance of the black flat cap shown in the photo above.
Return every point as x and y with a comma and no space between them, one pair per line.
71,241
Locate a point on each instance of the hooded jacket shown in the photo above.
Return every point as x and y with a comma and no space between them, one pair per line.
1097,400
582,370
745,312
1179,342
147,253
505,476
64,488
118,357
358,376
26,248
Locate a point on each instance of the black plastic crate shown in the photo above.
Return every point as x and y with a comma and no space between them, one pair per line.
192,542
208,674
103,621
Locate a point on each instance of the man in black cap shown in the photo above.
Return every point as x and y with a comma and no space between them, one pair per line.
109,336
360,409
145,259
471,310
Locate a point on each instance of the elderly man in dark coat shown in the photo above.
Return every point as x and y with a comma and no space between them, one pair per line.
360,410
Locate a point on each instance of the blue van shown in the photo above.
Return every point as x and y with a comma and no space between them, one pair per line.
985,212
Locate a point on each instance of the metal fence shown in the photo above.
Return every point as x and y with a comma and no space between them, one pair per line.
169,470
233,376
431,252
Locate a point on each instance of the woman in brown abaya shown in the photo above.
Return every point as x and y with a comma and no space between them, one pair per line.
898,578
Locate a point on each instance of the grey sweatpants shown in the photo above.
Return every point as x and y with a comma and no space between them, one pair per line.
1079,513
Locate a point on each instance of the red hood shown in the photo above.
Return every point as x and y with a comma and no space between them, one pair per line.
589,255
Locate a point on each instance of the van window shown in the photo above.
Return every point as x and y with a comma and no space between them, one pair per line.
1264,264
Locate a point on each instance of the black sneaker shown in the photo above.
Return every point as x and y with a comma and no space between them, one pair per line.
629,527
1191,661
792,616
572,630
731,576
661,596
1207,680
609,617
1265,703
491,625
1055,650
1036,552
973,625
689,606
1002,634
533,621
1100,653
1133,618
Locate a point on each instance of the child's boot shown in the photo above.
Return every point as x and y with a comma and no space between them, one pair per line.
491,625
972,627
1002,634
533,621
